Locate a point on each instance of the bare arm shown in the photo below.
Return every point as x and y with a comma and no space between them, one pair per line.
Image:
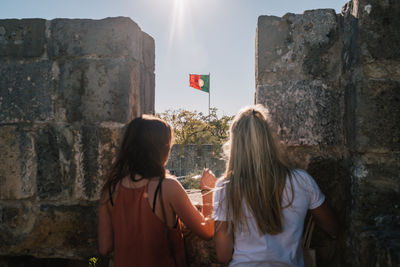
105,231
326,219
223,242
200,224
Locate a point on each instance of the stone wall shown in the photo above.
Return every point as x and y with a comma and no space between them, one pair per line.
371,61
331,85
67,88
189,159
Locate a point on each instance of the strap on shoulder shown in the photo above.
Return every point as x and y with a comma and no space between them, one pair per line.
158,188
110,195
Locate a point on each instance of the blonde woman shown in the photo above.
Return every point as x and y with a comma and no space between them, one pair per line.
260,204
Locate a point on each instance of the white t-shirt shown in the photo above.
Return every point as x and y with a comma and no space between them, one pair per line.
283,249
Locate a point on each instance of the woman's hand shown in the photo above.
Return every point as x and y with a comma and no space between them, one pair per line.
207,180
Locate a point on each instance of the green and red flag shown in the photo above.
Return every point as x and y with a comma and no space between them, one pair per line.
200,82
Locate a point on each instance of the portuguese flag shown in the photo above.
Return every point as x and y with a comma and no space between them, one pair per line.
200,82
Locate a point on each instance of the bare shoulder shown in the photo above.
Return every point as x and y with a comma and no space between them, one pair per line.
171,183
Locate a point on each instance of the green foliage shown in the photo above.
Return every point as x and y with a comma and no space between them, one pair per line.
93,261
193,127
192,183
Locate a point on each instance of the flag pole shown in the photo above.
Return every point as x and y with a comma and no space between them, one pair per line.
209,92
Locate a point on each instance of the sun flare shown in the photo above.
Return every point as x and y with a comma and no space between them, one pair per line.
178,20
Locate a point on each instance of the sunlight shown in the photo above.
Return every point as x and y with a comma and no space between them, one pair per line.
178,15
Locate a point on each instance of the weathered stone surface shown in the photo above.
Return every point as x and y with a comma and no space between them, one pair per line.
303,112
22,38
97,148
17,220
189,159
376,184
56,165
379,23
271,43
147,83
26,92
377,124
375,221
148,52
50,231
99,90
17,163
335,81
200,252
110,37
67,89
298,47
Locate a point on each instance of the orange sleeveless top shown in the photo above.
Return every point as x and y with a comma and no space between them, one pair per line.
140,237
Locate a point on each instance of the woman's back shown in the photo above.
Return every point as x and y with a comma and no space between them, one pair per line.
141,238
283,249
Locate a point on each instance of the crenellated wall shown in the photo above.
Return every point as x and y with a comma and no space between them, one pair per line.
331,84
67,88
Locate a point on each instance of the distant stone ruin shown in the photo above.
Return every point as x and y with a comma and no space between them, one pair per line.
332,86
188,159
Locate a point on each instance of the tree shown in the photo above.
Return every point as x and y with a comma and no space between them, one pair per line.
192,127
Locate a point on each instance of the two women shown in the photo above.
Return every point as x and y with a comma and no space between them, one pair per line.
259,206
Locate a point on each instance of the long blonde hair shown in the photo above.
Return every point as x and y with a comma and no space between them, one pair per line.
255,172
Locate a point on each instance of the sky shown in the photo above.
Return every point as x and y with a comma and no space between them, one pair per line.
191,36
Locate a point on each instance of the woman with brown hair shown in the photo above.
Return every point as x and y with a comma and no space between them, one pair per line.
260,204
140,207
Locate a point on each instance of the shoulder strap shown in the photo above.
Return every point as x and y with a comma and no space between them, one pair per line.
155,195
110,195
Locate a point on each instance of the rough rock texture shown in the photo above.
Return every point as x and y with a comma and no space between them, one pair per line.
331,85
67,89
193,158
373,122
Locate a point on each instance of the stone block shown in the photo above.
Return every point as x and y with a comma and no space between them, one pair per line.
26,92
147,92
298,47
199,252
377,125
110,37
17,163
376,187
22,38
97,147
56,163
174,164
379,36
148,52
17,220
191,158
303,112
50,231
99,90
271,43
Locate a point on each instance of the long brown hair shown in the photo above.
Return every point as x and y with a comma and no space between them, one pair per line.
255,172
144,150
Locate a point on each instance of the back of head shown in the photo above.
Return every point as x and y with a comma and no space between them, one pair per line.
255,173
144,150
